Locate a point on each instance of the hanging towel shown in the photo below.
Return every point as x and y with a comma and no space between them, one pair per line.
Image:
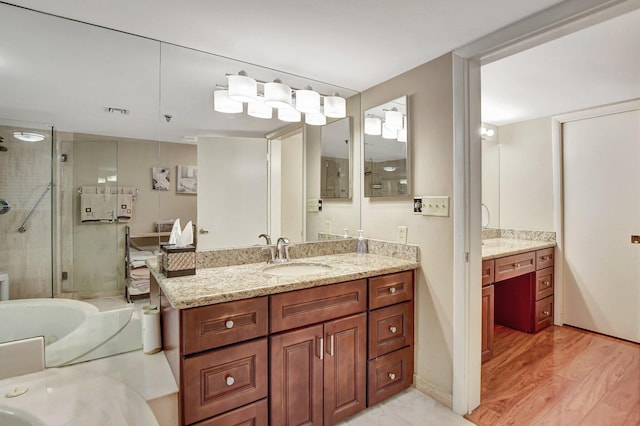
125,207
97,207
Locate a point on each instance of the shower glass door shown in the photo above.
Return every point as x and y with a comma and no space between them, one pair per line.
26,208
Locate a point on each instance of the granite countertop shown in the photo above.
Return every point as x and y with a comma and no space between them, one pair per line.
494,248
226,283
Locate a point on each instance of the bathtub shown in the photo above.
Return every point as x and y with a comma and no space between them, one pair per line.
73,331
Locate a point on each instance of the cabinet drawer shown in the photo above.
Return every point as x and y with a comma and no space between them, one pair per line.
389,374
514,266
544,283
390,289
390,328
544,258
224,379
487,272
543,315
212,326
256,414
314,305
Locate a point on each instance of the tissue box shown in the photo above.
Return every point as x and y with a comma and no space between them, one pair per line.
178,261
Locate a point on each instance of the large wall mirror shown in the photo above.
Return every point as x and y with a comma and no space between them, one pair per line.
386,150
122,106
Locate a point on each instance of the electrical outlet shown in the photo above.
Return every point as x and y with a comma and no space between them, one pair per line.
402,234
435,206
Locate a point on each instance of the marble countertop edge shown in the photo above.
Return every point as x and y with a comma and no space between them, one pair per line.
228,283
495,248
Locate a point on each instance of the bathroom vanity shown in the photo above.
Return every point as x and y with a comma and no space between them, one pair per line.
247,347
517,287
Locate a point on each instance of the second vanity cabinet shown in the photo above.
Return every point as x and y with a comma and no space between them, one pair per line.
517,292
313,356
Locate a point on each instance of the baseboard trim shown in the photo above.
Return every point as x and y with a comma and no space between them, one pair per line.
433,391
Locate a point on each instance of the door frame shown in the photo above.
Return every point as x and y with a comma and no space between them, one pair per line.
549,24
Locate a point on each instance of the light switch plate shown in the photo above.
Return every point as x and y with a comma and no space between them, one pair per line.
435,206
402,234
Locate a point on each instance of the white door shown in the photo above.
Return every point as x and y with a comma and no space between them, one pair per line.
601,160
232,192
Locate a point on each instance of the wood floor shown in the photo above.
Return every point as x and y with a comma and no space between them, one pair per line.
560,376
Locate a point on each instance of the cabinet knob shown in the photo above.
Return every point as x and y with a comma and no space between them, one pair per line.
229,324
393,329
230,380
392,290
546,312
392,376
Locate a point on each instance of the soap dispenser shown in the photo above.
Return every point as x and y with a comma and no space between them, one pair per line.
361,247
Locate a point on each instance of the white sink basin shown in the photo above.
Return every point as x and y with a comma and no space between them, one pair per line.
296,269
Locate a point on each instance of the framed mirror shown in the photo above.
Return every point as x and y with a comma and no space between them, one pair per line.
335,160
386,153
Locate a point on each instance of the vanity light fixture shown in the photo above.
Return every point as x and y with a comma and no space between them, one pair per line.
290,115
389,133
315,119
277,94
308,100
223,103
389,169
28,136
402,133
259,109
373,125
242,89
393,119
335,106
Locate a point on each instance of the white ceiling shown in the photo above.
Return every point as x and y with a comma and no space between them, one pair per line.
596,66
346,44
353,44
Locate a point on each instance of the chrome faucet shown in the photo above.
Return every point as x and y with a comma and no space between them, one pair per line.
267,237
282,247
270,247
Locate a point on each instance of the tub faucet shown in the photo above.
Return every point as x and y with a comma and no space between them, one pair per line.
282,249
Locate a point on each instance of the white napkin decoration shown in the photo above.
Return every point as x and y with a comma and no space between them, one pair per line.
181,238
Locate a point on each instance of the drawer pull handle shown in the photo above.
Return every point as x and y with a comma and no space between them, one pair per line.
230,380
330,344
547,283
545,258
321,347
392,290
229,324
516,265
393,329
546,313
392,376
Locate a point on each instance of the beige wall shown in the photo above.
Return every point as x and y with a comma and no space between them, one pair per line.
430,91
526,175
491,180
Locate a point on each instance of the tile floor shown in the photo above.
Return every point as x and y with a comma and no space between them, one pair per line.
409,408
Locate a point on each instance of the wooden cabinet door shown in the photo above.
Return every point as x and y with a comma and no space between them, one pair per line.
345,367
296,377
487,322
